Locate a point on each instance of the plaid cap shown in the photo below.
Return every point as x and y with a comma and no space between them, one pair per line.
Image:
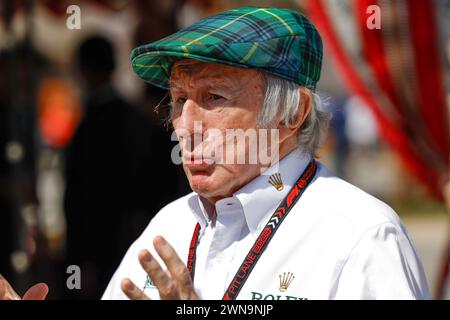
281,42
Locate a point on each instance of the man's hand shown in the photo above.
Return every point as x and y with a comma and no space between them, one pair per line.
37,292
173,284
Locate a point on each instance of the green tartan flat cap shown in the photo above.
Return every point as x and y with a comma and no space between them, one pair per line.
281,42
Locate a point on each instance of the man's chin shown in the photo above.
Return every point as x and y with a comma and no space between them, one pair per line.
201,183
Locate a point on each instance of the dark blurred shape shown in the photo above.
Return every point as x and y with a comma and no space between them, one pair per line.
20,67
6,205
341,144
118,174
96,62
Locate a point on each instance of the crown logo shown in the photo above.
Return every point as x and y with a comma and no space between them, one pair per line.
285,280
275,180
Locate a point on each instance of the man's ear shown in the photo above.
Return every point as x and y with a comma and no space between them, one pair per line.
304,108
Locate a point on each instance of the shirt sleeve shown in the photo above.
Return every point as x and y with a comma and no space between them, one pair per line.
382,265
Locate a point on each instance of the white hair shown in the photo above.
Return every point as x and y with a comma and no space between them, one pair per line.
282,100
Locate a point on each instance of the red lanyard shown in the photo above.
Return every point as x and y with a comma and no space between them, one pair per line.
263,239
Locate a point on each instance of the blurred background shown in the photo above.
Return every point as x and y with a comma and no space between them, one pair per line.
85,153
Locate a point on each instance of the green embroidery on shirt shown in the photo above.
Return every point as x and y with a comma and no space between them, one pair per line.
149,283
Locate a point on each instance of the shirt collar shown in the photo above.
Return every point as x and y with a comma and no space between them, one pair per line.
259,198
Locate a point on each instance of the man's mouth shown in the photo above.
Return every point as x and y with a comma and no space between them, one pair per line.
197,162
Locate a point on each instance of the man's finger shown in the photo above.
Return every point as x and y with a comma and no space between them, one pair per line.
37,292
6,291
159,277
132,291
180,274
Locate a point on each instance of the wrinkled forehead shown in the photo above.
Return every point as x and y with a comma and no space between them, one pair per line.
189,71
189,66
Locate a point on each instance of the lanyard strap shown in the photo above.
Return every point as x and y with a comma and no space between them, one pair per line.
264,237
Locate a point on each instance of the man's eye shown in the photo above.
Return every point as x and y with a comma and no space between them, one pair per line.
180,100
215,97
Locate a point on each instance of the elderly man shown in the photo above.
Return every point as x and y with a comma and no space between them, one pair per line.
290,231
278,229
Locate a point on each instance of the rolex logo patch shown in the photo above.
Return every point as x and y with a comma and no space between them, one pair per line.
275,180
285,280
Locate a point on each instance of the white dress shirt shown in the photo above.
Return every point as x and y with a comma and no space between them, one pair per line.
338,242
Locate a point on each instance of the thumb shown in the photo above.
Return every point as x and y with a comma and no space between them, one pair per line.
37,292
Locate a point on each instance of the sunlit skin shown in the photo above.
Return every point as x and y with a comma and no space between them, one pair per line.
220,97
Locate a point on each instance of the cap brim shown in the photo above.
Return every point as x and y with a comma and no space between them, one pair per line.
155,66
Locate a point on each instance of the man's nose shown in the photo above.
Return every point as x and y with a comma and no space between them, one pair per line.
190,117
190,126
